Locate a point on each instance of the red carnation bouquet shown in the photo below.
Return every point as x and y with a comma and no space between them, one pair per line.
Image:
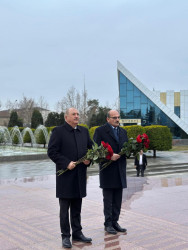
133,146
96,154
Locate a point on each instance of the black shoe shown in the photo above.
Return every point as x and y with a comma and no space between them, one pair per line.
81,238
119,229
110,230
66,243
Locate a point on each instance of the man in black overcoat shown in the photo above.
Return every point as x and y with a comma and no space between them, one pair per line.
113,177
67,144
140,163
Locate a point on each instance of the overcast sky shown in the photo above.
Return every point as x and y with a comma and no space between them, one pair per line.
47,46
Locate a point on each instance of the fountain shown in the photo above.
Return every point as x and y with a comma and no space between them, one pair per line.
43,129
8,137
16,145
15,133
28,130
5,137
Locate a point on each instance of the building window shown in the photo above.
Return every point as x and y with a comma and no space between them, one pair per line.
136,105
177,110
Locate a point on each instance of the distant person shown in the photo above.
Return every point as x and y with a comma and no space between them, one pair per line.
67,144
140,163
113,177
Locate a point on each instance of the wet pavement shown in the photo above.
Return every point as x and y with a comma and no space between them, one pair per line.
154,208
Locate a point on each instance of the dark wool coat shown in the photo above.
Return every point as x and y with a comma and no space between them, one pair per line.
67,144
114,175
136,162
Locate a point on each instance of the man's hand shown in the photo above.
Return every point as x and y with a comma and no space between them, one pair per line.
71,165
115,157
86,162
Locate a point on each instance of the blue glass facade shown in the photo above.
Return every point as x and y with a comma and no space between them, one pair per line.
177,110
136,105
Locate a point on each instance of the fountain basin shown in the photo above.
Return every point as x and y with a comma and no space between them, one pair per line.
16,153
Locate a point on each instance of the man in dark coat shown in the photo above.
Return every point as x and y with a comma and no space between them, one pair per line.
113,177
67,144
140,163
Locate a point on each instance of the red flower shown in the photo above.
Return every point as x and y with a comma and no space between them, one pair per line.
143,139
110,150
146,143
104,144
145,136
139,138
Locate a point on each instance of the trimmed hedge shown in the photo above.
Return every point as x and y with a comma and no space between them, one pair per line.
134,130
92,131
83,125
160,137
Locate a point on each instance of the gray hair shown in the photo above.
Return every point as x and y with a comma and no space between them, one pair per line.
108,114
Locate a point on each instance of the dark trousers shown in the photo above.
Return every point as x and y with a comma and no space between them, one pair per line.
140,169
112,199
75,206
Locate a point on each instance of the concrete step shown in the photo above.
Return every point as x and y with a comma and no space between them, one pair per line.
150,171
161,170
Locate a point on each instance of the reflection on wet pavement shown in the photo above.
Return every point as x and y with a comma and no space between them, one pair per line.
165,163
154,211
20,169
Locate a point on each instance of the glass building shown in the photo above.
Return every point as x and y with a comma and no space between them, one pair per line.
139,105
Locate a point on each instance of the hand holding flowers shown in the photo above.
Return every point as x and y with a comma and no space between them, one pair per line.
98,154
95,155
133,146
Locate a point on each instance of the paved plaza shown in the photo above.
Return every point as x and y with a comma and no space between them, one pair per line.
154,209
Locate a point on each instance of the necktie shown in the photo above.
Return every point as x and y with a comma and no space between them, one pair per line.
116,134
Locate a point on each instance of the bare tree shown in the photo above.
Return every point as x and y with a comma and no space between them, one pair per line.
26,106
77,100
11,104
42,103
115,105
72,99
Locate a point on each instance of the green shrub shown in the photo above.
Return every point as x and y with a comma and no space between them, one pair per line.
83,125
40,138
160,137
2,137
48,129
133,131
15,139
92,131
51,128
21,129
27,138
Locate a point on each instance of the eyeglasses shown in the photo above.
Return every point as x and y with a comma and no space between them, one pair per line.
115,117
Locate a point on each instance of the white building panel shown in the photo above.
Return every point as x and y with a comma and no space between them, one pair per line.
184,105
157,93
170,99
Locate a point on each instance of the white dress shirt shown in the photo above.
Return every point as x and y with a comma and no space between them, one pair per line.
140,160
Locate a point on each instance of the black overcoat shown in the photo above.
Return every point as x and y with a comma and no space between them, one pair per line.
67,144
114,175
136,162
